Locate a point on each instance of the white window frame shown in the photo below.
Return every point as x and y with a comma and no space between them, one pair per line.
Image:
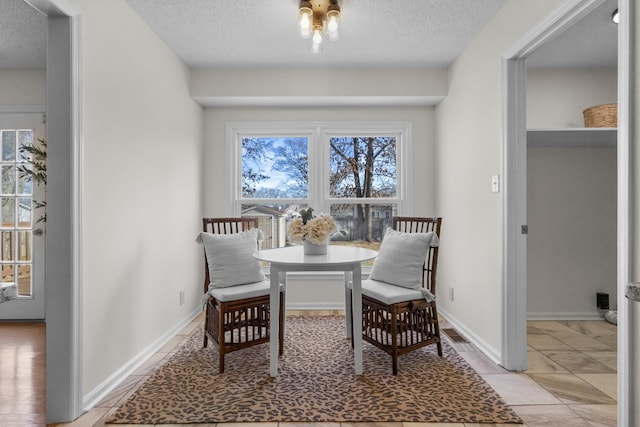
318,134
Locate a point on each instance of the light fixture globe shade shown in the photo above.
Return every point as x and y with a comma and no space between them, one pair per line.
333,14
317,36
305,19
316,46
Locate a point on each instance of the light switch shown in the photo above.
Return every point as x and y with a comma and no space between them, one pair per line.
495,184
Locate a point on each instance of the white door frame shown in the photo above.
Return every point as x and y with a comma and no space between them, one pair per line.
628,217
514,304
63,274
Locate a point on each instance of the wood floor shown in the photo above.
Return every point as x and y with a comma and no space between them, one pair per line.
571,380
22,375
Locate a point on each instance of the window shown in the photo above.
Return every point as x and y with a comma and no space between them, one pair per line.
356,172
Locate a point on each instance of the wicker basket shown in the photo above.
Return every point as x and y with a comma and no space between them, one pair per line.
601,116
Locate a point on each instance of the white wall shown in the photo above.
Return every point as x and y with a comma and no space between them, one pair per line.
319,86
571,198
422,130
23,87
556,97
571,245
323,293
468,153
142,190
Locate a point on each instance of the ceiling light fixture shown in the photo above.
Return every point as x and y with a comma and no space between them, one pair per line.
318,17
615,17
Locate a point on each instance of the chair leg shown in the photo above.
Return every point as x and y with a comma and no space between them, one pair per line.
221,363
206,324
206,339
281,328
221,341
436,327
348,297
394,342
350,325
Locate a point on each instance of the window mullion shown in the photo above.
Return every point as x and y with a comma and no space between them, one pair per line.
318,175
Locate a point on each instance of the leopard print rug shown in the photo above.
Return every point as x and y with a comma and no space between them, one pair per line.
315,383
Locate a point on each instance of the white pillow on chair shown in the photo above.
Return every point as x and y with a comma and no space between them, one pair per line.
230,258
401,258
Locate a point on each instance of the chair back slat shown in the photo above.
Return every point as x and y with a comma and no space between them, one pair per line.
228,225
224,226
408,224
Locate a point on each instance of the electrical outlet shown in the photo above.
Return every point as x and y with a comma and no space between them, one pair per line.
181,297
451,294
602,301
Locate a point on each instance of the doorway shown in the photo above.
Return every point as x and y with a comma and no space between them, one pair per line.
62,297
515,228
514,146
572,171
62,272
21,231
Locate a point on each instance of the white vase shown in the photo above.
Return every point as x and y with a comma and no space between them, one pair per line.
313,249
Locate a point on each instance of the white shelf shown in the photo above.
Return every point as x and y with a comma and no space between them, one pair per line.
572,137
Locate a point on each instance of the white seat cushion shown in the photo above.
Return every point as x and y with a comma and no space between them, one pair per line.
389,294
234,293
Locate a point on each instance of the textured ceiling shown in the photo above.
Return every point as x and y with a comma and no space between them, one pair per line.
592,42
373,33
23,36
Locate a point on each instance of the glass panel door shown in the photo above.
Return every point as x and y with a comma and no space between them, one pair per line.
19,200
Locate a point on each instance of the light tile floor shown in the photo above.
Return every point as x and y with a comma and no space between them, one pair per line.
571,380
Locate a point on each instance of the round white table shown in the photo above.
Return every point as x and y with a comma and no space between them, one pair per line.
337,258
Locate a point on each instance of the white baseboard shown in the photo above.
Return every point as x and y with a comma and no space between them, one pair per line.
315,306
493,354
103,389
592,315
23,109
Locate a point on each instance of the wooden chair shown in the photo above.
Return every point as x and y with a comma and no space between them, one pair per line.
404,320
239,316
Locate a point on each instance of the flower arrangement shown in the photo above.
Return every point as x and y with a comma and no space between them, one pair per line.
315,229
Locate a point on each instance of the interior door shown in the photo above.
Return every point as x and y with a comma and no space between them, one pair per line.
21,235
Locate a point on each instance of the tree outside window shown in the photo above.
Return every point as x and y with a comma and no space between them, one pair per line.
362,168
275,168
